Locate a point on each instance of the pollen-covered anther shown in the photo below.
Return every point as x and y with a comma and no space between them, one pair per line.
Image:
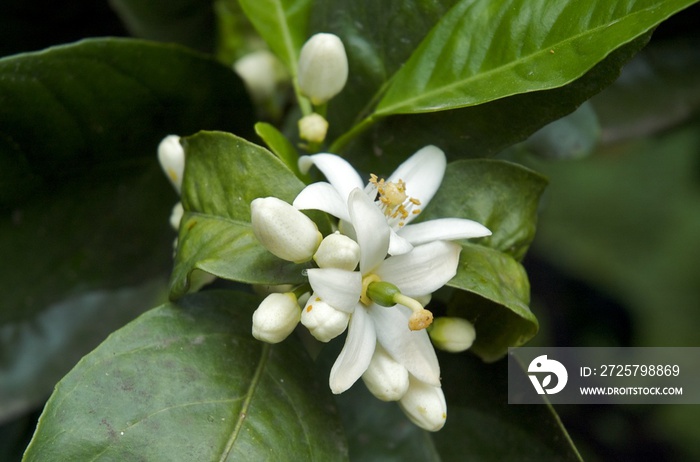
393,200
420,320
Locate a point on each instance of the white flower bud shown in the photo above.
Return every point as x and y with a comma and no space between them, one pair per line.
276,317
313,128
425,405
283,230
338,251
171,156
452,334
261,72
323,321
323,68
176,216
386,378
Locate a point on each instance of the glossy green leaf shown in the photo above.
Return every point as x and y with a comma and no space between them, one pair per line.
63,241
106,103
485,129
86,202
223,175
188,382
227,249
482,426
483,50
496,300
282,24
187,22
43,349
501,195
280,145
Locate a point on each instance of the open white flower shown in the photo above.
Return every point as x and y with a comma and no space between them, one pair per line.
400,198
421,271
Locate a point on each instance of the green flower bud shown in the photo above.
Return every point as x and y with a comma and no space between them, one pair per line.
276,317
283,230
338,251
323,68
313,128
452,334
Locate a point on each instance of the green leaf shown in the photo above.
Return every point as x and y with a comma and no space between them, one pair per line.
189,382
187,22
106,103
481,50
223,175
38,352
280,145
482,426
486,129
501,195
227,249
282,24
496,300
78,162
63,241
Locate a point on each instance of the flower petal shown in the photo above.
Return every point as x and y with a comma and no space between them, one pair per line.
422,173
357,352
442,229
339,288
410,348
398,245
337,171
423,270
371,229
322,196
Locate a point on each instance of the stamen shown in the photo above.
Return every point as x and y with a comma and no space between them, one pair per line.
393,200
421,318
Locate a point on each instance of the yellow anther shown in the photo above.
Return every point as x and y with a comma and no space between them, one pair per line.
393,200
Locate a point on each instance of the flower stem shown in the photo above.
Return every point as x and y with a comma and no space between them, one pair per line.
346,137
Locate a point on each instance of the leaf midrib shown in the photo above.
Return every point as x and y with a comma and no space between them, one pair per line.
257,377
485,75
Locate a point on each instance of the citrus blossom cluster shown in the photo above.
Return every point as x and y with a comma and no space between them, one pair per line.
372,277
